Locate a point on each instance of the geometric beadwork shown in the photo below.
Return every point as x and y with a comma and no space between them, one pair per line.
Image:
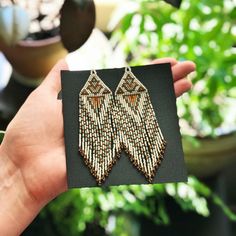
95,127
136,128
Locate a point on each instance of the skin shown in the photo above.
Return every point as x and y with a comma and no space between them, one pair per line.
32,154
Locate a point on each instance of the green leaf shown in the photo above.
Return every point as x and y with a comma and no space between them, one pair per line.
126,22
226,209
162,212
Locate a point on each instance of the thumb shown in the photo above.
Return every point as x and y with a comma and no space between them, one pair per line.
53,79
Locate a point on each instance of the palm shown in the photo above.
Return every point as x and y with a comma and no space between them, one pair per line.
35,140
38,150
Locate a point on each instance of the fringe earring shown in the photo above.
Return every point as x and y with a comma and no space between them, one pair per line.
138,132
95,127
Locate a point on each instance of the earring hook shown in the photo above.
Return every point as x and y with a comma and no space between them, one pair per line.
93,72
128,69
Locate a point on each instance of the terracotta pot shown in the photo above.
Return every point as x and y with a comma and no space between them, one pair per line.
34,59
211,155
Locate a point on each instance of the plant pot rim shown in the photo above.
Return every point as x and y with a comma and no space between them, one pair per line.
211,155
39,43
203,138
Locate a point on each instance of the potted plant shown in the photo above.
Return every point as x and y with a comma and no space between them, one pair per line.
202,32
38,46
42,45
34,35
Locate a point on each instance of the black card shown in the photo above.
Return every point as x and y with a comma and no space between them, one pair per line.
159,82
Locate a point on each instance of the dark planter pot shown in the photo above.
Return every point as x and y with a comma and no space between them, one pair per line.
31,62
34,59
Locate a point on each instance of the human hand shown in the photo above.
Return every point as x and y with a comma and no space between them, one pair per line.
32,155
180,71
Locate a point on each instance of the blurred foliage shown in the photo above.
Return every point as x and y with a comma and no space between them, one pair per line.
116,208
202,31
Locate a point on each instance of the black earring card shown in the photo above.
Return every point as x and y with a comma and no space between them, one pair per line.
159,82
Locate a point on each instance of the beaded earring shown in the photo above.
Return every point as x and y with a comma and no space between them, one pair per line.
138,131
95,127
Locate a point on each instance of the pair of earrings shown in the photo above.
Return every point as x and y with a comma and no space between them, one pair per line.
127,121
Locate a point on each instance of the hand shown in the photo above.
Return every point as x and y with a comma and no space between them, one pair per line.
32,155
180,71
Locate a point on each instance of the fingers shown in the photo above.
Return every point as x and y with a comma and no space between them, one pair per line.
182,69
181,86
170,60
53,79
179,69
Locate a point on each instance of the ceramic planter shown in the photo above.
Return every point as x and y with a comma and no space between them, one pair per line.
211,155
34,59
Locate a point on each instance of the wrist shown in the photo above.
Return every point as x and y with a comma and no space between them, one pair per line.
17,207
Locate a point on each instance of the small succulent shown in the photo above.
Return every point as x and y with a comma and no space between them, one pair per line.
41,19
14,24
